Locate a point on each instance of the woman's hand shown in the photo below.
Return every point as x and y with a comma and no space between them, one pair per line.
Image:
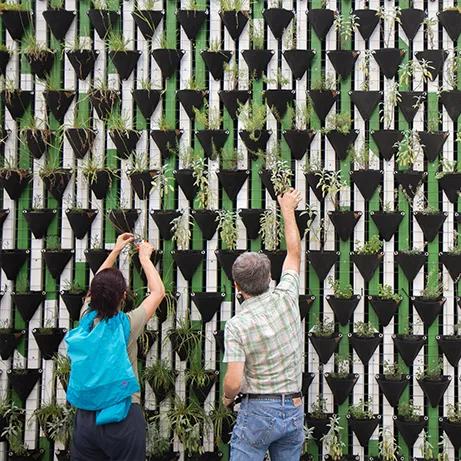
123,240
145,250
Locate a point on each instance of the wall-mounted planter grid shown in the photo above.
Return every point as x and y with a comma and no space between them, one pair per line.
103,103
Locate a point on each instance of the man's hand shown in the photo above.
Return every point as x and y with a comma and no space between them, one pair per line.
289,200
122,241
145,250
227,402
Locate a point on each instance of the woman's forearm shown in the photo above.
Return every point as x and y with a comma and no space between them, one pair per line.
110,260
154,282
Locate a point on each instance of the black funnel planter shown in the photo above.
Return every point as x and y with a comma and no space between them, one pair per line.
95,258
163,220
206,220
103,102
168,60
48,343
125,141
201,392
59,21
232,181
27,303
141,182
147,101
17,101
389,60
411,264
323,101
30,454
265,176
162,311
123,220
4,60
430,223
410,20
451,22
367,20
185,179
409,348
343,308
451,100
341,387
307,379
387,140
101,183
23,381
428,310
57,260
143,349
167,141
299,61
299,141
320,425
191,99
322,261
82,61
432,143
277,19
80,221
37,142
41,65
208,304
313,180
453,430
410,430
325,346
226,259
219,338
11,261
103,21
302,220
410,181
451,348
255,141
180,345
367,181
434,390
15,182
59,101
278,100
276,257
74,303
234,21
365,347
9,340
3,215
321,20
385,309
435,58
342,142
232,99
215,60
212,141
344,222
188,261
367,264
39,221
125,62
147,21
191,21
154,257
366,102
305,303
408,101
257,61
16,22
161,393
363,428
451,185
56,183
62,455
343,61
392,388
453,264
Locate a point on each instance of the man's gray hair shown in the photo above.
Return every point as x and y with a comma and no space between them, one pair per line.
252,272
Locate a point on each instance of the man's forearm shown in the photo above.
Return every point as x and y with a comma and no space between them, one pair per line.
110,260
292,237
230,392
154,282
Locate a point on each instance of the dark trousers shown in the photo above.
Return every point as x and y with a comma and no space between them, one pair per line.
123,441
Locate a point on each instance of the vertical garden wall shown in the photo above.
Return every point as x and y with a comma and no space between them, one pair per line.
180,122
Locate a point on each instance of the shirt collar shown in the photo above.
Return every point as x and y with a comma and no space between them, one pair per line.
255,300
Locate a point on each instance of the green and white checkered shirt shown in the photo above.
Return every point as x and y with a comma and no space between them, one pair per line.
266,334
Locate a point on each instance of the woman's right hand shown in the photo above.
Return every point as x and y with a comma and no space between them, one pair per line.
145,250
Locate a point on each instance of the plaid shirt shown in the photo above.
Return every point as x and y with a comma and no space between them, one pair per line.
266,334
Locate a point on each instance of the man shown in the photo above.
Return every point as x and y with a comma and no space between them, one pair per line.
264,349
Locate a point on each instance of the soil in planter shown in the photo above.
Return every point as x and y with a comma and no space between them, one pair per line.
57,260
411,264
123,220
367,264
428,310
234,21
387,142
141,181
167,141
185,179
56,183
410,430
323,102
147,101
434,390
257,61
363,429
232,99
191,21
305,303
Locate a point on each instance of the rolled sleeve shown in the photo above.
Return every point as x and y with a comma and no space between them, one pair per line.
289,285
234,351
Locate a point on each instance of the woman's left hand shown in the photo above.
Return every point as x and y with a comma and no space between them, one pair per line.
123,240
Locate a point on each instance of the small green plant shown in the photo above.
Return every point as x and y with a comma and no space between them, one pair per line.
160,375
22,283
92,168
455,248
332,440
361,157
57,421
198,377
162,181
386,293
230,159
432,291
227,228
10,6
117,42
373,246
387,446
364,329
278,79
313,164
430,25
187,337
363,410
270,229
345,26
342,366
408,149
281,176
181,230
61,368
324,83
331,184
217,416
338,292
387,107
156,445
209,117
426,447
323,328
390,16
32,48
194,83
257,34
319,408
340,122
413,67
232,5
53,242
100,4
393,371
454,412
206,197
13,430
433,371
235,74
299,116
408,411
253,119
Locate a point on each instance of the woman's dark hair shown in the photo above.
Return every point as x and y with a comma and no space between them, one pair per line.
106,291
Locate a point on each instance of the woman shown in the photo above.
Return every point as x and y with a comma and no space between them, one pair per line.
95,438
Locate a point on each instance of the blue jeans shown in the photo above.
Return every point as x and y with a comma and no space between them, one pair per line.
273,425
